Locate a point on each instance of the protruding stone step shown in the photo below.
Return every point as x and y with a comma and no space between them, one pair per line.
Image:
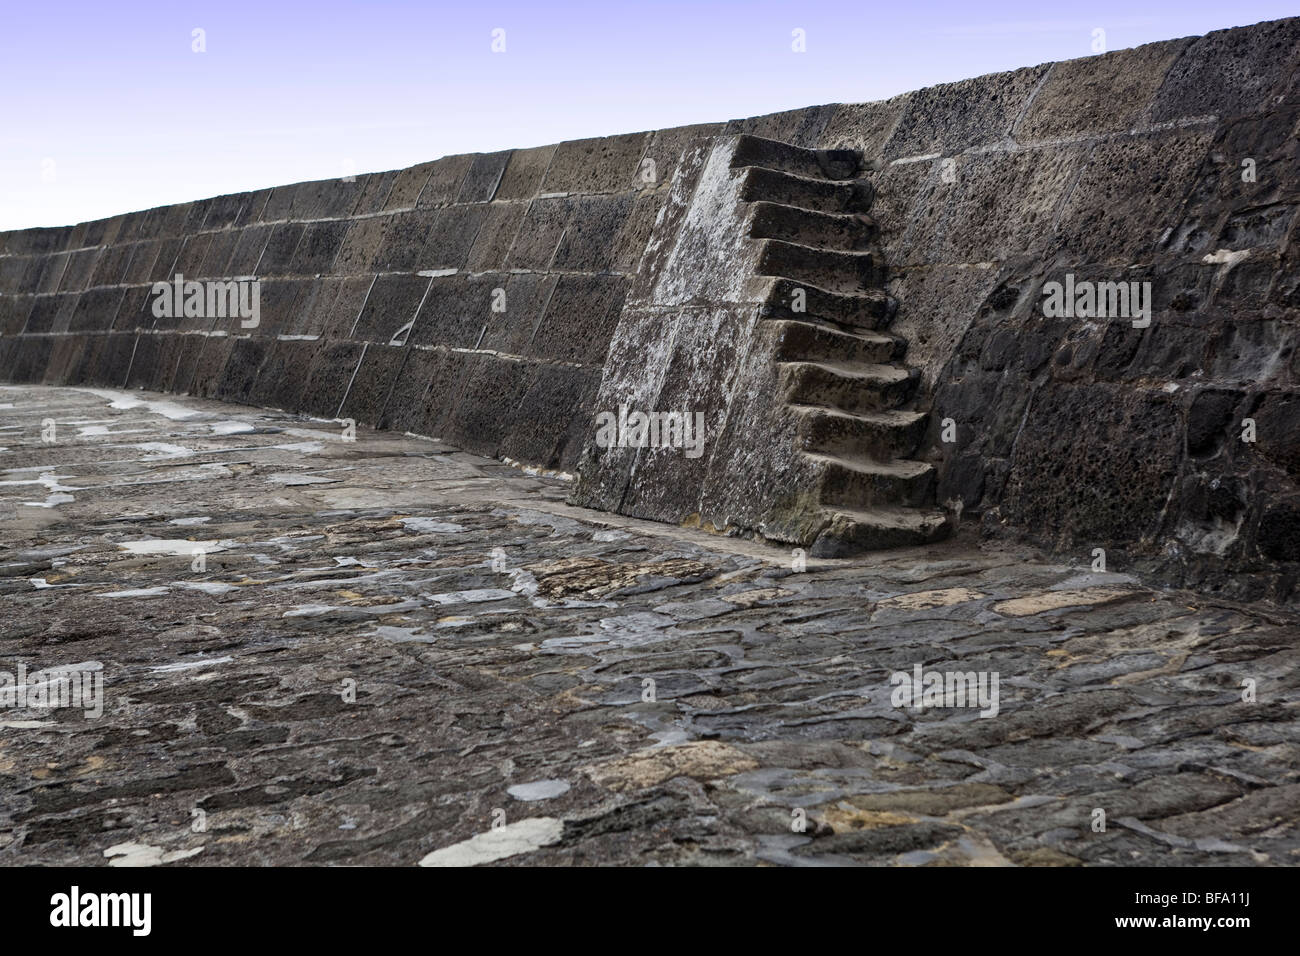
773,154
847,273
846,386
813,342
822,230
853,532
772,185
788,299
864,483
882,436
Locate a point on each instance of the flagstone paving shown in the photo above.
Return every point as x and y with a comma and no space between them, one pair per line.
390,652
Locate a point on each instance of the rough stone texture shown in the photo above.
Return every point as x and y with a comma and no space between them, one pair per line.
391,641
1126,166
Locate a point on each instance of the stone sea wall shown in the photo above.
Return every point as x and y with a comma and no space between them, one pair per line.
471,298
1175,164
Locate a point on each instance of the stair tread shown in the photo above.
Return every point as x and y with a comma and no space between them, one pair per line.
889,373
817,250
832,164
870,338
868,294
890,517
848,218
894,467
845,183
892,416
896,517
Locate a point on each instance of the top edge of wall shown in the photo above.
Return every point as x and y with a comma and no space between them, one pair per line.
737,125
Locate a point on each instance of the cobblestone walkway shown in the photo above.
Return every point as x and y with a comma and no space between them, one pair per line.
388,651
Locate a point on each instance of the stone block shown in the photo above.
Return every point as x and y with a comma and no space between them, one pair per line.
144,360
953,117
284,373
280,248
189,259
452,236
14,310
863,126
522,178
1128,195
457,310
224,211
1221,73
540,234
479,418
318,248
405,236
497,231
579,319
407,186
602,164
1038,178
590,242
253,208
553,420
416,405
526,296
390,306
665,151
146,264
241,369
110,265
327,382
220,249
338,307
360,246
446,177
136,309
65,357
801,127
325,198
373,383
1097,95
96,309
375,188
1104,484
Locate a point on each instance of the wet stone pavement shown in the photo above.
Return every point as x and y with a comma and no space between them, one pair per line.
387,651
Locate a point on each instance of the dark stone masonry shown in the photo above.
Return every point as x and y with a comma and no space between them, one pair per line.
997,377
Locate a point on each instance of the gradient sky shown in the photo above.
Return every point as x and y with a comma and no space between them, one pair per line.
114,111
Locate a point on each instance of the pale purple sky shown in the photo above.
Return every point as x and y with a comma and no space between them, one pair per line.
109,108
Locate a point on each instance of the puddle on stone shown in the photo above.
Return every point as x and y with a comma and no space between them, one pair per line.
477,596
523,836
207,587
306,447
431,526
135,593
539,790
289,479
189,665
50,501
164,449
181,547
233,428
402,635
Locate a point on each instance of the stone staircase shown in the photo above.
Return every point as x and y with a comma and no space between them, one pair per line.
820,279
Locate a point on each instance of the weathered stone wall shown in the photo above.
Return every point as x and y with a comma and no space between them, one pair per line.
1080,432
1129,166
377,296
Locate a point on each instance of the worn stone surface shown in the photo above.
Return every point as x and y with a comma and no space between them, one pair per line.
393,644
1130,166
